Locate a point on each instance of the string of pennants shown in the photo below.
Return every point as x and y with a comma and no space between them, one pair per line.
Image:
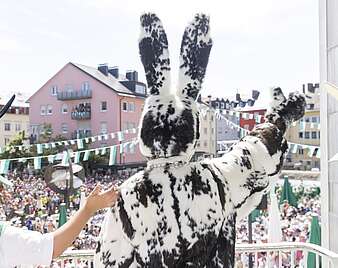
312,150
119,135
78,156
258,118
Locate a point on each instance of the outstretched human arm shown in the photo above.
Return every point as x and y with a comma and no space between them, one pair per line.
65,235
22,247
251,164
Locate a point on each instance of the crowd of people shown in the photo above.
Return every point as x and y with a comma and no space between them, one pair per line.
31,204
295,225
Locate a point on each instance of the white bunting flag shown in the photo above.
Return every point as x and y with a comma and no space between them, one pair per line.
112,155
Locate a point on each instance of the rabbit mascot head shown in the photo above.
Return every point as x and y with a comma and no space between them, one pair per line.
170,120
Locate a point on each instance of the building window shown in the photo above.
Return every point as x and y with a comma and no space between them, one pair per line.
217,105
7,126
300,151
64,108
49,109
311,106
222,105
314,119
17,127
307,135
64,128
301,135
125,106
85,86
307,119
131,107
140,89
103,106
54,90
317,164
104,129
7,141
318,134
313,135
42,110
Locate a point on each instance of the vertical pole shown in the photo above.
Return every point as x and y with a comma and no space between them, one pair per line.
250,240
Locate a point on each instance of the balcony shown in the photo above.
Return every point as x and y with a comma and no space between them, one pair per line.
81,115
289,249
82,111
74,95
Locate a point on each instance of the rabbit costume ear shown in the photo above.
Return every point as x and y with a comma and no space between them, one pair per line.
194,56
153,46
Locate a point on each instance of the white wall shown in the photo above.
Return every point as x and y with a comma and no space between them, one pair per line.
328,26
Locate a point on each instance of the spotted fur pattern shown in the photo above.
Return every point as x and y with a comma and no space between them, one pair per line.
185,215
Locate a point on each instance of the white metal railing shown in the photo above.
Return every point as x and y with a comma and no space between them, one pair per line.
84,258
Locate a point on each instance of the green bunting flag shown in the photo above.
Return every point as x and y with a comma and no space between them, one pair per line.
120,136
112,155
77,157
39,148
37,163
311,151
79,143
4,165
65,158
294,149
86,155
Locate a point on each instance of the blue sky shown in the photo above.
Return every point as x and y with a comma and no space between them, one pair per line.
257,44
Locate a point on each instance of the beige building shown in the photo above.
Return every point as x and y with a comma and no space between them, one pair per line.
15,120
306,132
206,145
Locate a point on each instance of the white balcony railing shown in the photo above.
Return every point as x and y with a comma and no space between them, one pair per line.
84,258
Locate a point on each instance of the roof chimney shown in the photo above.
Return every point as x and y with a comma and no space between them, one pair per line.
103,68
114,71
132,76
255,94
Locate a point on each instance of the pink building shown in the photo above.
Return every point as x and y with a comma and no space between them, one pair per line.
108,102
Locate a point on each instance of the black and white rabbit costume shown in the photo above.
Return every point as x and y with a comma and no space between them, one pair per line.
178,213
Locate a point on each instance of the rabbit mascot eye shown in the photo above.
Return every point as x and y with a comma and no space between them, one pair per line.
178,213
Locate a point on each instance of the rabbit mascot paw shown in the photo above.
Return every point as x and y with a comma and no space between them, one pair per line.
178,213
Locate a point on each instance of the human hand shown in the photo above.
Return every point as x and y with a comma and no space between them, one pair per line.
99,199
